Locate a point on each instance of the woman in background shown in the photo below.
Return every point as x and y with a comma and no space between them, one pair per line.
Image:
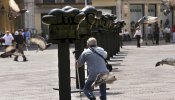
138,36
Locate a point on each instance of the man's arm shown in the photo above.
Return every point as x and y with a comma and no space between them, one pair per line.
105,54
81,60
77,64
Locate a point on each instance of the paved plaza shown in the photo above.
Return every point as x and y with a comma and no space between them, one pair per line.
138,78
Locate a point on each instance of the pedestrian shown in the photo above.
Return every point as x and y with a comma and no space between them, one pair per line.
167,32
27,35
138,36
173,33
95,65
20,41
156,33
1,39
8,39
121,38
16,32
149,34
126,35
167,22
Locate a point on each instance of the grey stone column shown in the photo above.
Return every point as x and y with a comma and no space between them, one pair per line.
158,12
29,16
118,9
145,13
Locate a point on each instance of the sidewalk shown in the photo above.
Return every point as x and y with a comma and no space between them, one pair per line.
138,78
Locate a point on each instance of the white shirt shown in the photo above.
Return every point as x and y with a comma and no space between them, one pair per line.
16,32
167,30
138,32
8,39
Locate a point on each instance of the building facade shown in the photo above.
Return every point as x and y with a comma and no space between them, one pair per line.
132,10
36,8
128,10
5,23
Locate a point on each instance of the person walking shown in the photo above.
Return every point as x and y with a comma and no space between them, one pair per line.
138,36
95,65
173,33
8,38
167,32
156,33
27,35
20,41
149,34
121,38
126,35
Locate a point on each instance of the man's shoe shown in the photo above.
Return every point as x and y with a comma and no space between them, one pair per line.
146,43
15,60
25,60
10,56
92,98
102,98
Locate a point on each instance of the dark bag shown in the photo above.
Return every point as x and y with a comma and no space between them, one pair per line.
109,66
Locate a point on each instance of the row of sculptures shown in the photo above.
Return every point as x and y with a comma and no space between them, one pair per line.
73,23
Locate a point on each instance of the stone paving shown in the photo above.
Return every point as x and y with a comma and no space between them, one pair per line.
138,78
32,80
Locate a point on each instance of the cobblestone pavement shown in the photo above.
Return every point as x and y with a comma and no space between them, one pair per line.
138,78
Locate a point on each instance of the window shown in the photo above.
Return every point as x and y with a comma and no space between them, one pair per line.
69,1
82,1
89,1
151,10
48,1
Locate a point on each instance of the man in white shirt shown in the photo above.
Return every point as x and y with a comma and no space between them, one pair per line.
8,38
126,35
167,33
